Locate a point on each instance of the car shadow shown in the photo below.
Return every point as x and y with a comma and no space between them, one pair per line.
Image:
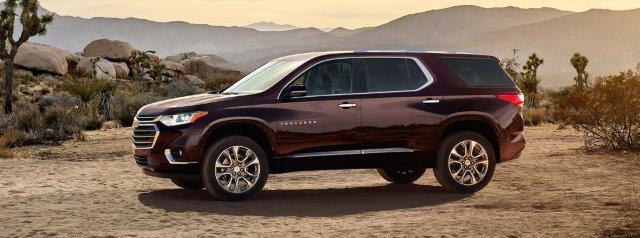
304,203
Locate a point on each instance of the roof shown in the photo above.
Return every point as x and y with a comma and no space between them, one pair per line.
312,55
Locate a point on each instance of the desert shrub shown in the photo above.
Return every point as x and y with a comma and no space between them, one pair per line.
534,116
607,113
127,104
29,126
63,99
87,88
180,88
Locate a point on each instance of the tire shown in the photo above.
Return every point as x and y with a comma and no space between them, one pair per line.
474,172
188,184
240,177
401,176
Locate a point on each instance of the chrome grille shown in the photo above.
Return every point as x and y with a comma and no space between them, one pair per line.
145,132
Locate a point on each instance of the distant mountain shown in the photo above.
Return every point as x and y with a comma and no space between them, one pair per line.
608,38
270,26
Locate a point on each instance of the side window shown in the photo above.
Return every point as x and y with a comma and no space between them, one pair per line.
392,74
480,72
328,78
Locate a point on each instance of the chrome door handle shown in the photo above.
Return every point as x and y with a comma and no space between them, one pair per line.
431,101
347,105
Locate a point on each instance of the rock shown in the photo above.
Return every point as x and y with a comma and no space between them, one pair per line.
180,57
172,69
39,57
153,59
211,68
103,68
109,49
122,70
110,125
193,79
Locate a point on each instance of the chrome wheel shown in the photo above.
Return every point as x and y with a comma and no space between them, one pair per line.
237,169
468,163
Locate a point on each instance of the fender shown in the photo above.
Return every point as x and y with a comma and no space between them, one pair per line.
468,116
262,124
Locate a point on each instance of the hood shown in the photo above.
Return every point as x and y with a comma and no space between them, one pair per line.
182,104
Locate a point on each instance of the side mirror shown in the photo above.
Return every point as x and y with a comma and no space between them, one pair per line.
297,91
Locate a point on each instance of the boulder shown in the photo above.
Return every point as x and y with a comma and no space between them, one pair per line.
103,68
153,59
180,57
122,70
43,58
193,79
109,49
172,69
211,68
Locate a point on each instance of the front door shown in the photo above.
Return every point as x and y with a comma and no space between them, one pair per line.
325,121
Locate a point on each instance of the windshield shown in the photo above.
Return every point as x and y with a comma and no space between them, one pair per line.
264,77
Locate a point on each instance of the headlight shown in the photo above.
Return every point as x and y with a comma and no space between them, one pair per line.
182,118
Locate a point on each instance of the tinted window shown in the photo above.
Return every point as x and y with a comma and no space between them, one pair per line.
479,72
392,74
333,77
264,77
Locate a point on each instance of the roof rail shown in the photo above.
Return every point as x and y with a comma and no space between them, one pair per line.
414,51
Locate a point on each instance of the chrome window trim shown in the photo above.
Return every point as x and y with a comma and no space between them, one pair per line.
424,69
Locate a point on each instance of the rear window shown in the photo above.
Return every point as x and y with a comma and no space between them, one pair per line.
479,72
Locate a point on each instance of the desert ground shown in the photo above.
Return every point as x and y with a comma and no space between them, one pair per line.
94,188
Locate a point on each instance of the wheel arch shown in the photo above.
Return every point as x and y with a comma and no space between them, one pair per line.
253,128
479,124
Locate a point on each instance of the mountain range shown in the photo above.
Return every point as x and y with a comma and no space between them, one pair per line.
608,38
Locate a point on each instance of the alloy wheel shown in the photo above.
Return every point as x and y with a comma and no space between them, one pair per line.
468,163
237,169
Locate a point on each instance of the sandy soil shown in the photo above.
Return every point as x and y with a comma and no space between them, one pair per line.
94,188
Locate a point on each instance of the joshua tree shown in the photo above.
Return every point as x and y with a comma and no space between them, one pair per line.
530,82
580,63
32,25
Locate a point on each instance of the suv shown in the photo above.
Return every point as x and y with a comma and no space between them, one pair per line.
399,112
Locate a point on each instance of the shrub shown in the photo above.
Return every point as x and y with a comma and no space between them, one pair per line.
607,113
180,88
126,105
534,116
28,126
86,88
62,99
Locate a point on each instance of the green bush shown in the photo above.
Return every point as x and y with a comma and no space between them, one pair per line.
607,113
30,126
87,89
126,105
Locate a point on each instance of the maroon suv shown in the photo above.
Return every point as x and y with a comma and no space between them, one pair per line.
399,112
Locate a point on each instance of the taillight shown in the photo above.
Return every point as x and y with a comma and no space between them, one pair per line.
517,99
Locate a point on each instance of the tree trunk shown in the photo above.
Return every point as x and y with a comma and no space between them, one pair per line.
8,86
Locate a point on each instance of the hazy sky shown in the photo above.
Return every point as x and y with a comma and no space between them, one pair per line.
316,13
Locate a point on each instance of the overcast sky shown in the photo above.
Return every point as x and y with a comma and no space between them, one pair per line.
316,13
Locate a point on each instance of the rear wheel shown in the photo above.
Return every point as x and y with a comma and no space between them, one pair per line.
465,163
235,169
188,184
401,176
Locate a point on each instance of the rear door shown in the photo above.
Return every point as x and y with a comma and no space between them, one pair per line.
399,114
325,121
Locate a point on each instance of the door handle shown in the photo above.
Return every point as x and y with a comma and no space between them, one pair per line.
347,105
431,101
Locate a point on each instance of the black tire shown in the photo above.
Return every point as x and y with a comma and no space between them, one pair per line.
208,169
188,184
401,176
445,177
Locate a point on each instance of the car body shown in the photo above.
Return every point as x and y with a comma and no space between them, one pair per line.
341,110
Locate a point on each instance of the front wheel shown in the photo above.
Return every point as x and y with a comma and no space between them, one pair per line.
235,169
465,162
401,176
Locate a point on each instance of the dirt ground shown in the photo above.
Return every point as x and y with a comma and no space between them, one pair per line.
94,188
